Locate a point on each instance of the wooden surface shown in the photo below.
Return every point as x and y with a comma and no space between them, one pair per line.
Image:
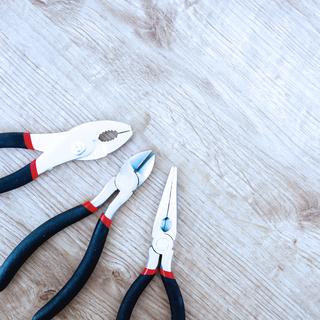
226,90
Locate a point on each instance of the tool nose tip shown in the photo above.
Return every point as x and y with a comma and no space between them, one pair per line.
128,133
125,130
128,128
174,172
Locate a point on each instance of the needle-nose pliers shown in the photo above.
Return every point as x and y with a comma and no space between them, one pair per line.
160,255
131,175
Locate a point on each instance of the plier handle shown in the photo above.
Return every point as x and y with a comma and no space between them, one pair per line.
172,289
25,174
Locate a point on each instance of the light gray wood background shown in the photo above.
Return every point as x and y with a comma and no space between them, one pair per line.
228,91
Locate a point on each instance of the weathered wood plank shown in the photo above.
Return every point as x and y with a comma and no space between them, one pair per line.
226,90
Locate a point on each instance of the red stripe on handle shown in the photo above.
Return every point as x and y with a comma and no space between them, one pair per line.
33,169
148,272
106,221
167,274
89,206
27,140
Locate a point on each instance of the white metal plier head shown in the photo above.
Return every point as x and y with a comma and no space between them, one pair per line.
88,141
164,230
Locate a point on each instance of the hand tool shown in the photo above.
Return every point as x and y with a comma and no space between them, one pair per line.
88,141
160,253
131,175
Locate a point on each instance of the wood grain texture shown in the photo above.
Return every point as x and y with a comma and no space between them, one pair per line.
226,90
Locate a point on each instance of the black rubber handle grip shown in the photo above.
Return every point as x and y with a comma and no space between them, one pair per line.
17,179
27,173
35,239
79,278
13,140
175,298
132,296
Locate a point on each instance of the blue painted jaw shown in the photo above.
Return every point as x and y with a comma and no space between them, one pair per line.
142,164
138,160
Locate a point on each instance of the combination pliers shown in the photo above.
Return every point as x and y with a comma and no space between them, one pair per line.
88,141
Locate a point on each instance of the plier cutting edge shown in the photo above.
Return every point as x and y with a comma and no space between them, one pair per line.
132,174
88,141
160,255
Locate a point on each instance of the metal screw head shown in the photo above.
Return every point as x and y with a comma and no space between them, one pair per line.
78,148
162,244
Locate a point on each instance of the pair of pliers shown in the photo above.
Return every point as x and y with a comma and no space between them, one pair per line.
91,140
160,256
131,175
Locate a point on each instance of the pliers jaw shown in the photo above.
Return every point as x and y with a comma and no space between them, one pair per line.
166,219
165,227
89,141
96,133
131,175
135,171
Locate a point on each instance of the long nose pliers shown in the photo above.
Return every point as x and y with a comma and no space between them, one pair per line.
131,175
88,141
160,256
